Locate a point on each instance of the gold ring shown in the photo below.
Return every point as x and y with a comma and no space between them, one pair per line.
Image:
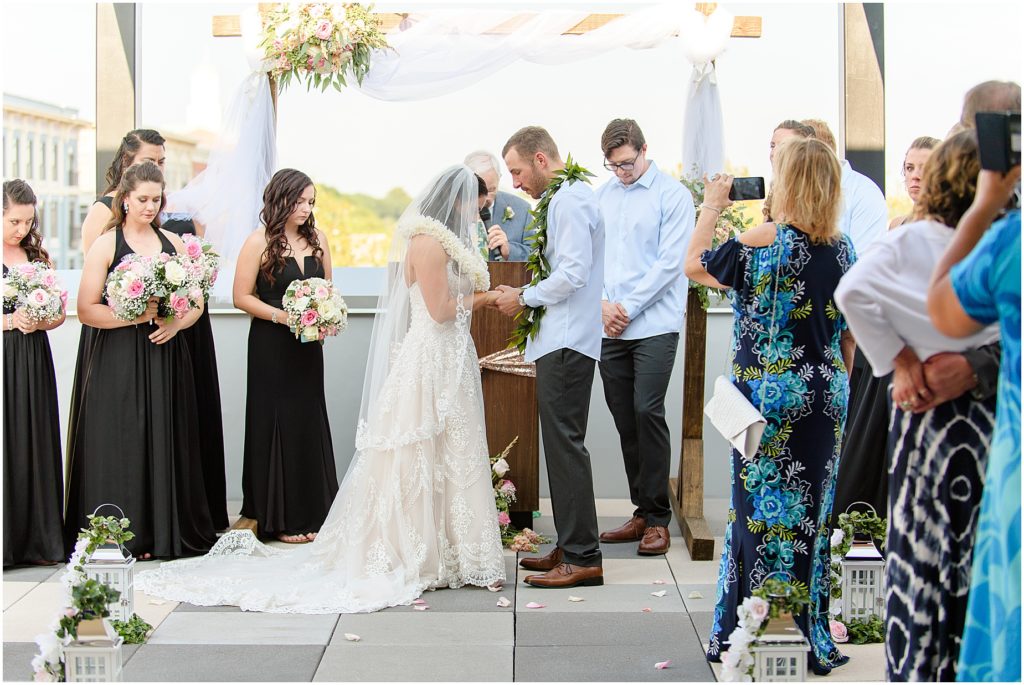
905,405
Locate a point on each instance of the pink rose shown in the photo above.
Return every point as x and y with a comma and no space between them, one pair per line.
135,288
64,298
507,487
278,45
180,305
308,317
196,295
283,63
838,630
49,279
193,249
213,276
138,268
27,270
38,297
323,30
503,518
164,257
322,293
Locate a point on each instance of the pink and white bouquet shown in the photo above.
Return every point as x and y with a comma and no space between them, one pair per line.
200,251
179,281
315,309
34,288
129,287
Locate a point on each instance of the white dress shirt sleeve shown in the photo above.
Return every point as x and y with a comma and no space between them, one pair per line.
676,229
868,214
573,232
860,300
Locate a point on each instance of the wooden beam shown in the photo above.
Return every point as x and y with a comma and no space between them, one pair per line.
225,25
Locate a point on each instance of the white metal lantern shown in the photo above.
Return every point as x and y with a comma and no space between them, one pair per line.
95,657
114,566
862,582
780,654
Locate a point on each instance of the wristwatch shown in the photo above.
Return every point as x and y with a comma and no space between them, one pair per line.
522,300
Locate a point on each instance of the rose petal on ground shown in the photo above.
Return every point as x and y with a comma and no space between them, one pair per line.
504,602
535,605
695,595
421,607
646,610
419,601
574,598
662,665
659,582
494,588
659,593
352,637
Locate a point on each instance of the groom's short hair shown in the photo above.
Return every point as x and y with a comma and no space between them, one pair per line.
530,140
621,132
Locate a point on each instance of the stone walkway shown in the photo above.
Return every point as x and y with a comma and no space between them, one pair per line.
463,636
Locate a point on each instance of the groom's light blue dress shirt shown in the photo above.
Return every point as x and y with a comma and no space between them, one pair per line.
648,225
864,215
572,291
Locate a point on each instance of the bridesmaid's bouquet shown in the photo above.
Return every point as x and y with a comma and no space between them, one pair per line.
34,288
179,284
315,309
205,261
129,287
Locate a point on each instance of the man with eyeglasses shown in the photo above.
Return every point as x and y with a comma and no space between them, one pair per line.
648,217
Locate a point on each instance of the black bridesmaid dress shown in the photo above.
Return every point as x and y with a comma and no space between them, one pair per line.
136,442
33,473
199,339
289,478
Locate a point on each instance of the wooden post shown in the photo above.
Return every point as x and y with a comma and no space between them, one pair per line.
688,487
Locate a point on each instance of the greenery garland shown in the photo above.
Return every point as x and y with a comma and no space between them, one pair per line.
864,523
528,320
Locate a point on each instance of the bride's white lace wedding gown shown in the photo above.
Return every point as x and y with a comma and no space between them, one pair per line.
415,511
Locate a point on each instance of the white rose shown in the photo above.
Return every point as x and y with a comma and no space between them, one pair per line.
758,609
175,273
50,647
311,332
328,310
730,659
9,290
837,537
302,303
500,467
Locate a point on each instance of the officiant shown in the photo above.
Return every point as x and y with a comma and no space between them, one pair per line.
505,216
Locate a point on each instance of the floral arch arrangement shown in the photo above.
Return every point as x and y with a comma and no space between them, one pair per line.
320,43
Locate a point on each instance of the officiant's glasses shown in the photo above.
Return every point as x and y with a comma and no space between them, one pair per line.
625,166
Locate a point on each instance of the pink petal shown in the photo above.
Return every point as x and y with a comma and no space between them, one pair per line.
421,607
659,582
497,587
662,665
419,601
534,605
352,637
646,610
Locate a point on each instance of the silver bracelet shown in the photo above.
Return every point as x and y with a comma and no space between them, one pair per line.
10,322
713,209
273,317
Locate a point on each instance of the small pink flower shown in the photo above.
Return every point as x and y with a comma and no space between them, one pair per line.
196,295
193,249
309,62
322,293
123,266
70,611
838,630
503,518
283,63
278,45
135,288
507,487
180,305
28,269
49,279
323,29
213,276
64,298
309,317
38,297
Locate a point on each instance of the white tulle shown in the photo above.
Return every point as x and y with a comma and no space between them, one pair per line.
415,511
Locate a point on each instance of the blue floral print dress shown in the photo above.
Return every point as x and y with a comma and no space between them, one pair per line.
792,363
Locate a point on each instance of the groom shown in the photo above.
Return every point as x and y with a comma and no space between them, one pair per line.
565,349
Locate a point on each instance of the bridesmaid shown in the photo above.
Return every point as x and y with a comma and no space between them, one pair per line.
147,145
33,479
135,442
288,476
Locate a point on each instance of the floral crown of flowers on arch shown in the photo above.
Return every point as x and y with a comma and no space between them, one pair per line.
469,261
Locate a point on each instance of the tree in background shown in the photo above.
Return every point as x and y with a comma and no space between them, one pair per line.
359,227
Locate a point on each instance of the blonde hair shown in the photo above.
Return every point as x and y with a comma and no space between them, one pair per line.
807,190
821,131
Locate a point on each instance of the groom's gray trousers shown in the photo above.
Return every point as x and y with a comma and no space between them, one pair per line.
564,381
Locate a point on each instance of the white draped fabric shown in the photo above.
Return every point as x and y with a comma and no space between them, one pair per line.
444,51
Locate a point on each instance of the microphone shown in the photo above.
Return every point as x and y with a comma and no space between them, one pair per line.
485,216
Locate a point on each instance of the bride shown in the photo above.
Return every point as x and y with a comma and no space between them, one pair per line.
416,509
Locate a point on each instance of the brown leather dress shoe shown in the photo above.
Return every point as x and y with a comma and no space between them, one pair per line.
544,563
656,541
630,531
567,575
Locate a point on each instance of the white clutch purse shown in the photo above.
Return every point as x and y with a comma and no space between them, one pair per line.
733,416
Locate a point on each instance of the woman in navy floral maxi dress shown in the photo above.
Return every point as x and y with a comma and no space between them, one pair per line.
786,354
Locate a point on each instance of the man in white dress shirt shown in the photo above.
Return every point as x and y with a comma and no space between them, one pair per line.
565,350
648,218
865,216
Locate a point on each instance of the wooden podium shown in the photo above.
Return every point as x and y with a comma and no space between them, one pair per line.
510,400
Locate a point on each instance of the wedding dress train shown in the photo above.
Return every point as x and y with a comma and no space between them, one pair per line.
415,510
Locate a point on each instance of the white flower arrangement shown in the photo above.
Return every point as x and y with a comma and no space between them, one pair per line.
508,215
470,262
738,662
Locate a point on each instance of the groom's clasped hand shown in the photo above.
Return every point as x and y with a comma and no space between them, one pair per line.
505,299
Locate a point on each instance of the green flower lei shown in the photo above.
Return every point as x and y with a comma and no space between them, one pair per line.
528,320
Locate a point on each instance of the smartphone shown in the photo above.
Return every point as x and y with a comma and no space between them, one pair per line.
747,188
998,140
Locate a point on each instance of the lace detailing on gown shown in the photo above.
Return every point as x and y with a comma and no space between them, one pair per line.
415,510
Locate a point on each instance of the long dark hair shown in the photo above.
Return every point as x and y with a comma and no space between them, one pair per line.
279,200
17,192
126,152
146,172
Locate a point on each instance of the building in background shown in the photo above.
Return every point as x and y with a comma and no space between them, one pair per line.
54,151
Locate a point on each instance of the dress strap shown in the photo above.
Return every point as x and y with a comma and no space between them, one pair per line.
165,243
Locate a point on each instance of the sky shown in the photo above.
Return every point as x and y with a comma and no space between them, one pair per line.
934,53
